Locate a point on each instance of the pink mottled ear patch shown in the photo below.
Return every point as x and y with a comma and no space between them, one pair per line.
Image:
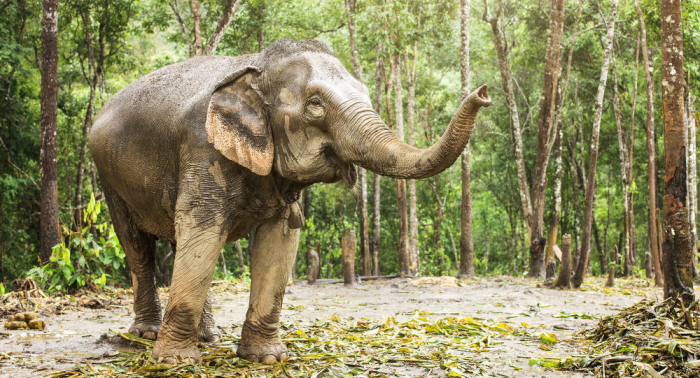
237,127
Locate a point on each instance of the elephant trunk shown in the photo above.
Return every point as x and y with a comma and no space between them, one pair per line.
367,141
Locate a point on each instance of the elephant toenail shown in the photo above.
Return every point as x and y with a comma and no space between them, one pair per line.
252,358
269,359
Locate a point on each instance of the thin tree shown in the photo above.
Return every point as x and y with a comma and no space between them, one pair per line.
692,170
584,256
651,149
677,248
411,124
195,42
376,183
404,257
361,172
49,94
466,245
545,135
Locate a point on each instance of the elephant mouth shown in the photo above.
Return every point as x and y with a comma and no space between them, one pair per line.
344,169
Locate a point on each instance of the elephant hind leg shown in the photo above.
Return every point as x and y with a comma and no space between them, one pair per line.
208,332
139,248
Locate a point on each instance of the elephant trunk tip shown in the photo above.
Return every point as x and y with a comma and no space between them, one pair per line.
481,96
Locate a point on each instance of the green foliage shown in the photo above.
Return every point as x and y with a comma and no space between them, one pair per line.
82,260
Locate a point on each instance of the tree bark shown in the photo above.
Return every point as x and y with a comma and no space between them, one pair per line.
466,245
630,159
692,172
411,123
404,258
624,171
49,233
507,81
651,149
552,64
348,244
313,267
564,279
376,185
229,12
554,228
611,269
591,184
677,248
194,7
361,172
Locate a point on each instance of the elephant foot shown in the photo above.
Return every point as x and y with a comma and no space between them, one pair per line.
145,331
256,348
166,354
209,334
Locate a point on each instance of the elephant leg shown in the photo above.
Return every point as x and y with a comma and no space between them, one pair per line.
139,248
199,237
272,258
208,332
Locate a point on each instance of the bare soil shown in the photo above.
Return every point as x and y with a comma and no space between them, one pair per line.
74,333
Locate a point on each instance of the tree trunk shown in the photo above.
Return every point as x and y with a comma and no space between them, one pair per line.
591,184
230,10
404,258
313,267
49,233
194,6
630,175
692,174
410,121
466,245
611,269
651,149
545,139
376,185
554,228
507,82
624,171
348,244
677,248
564,279
361,172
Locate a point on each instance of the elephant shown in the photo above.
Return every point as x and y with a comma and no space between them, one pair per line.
201,152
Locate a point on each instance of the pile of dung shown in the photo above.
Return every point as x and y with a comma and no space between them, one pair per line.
648,339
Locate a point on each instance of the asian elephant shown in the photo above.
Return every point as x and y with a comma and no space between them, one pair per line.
201,152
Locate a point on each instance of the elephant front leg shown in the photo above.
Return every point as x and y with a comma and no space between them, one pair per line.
272,259
198,251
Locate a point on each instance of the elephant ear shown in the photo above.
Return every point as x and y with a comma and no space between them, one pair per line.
236,123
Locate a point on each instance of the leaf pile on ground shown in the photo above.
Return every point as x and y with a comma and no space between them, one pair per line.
334,347
648,339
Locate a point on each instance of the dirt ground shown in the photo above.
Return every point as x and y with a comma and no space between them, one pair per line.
74,329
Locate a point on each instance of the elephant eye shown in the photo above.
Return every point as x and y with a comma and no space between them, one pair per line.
314,108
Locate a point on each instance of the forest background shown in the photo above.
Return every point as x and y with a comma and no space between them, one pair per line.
103,45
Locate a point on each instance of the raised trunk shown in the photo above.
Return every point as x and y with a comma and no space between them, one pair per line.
591,184
651,150
49,234
466,245
677,248
375,147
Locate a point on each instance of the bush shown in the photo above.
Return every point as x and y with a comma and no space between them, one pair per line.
81,259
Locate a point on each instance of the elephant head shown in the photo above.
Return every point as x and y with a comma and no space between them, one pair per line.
298,109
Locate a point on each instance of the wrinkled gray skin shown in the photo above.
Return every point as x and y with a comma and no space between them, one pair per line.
201,152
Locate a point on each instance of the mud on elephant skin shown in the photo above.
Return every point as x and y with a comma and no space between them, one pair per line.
201,152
